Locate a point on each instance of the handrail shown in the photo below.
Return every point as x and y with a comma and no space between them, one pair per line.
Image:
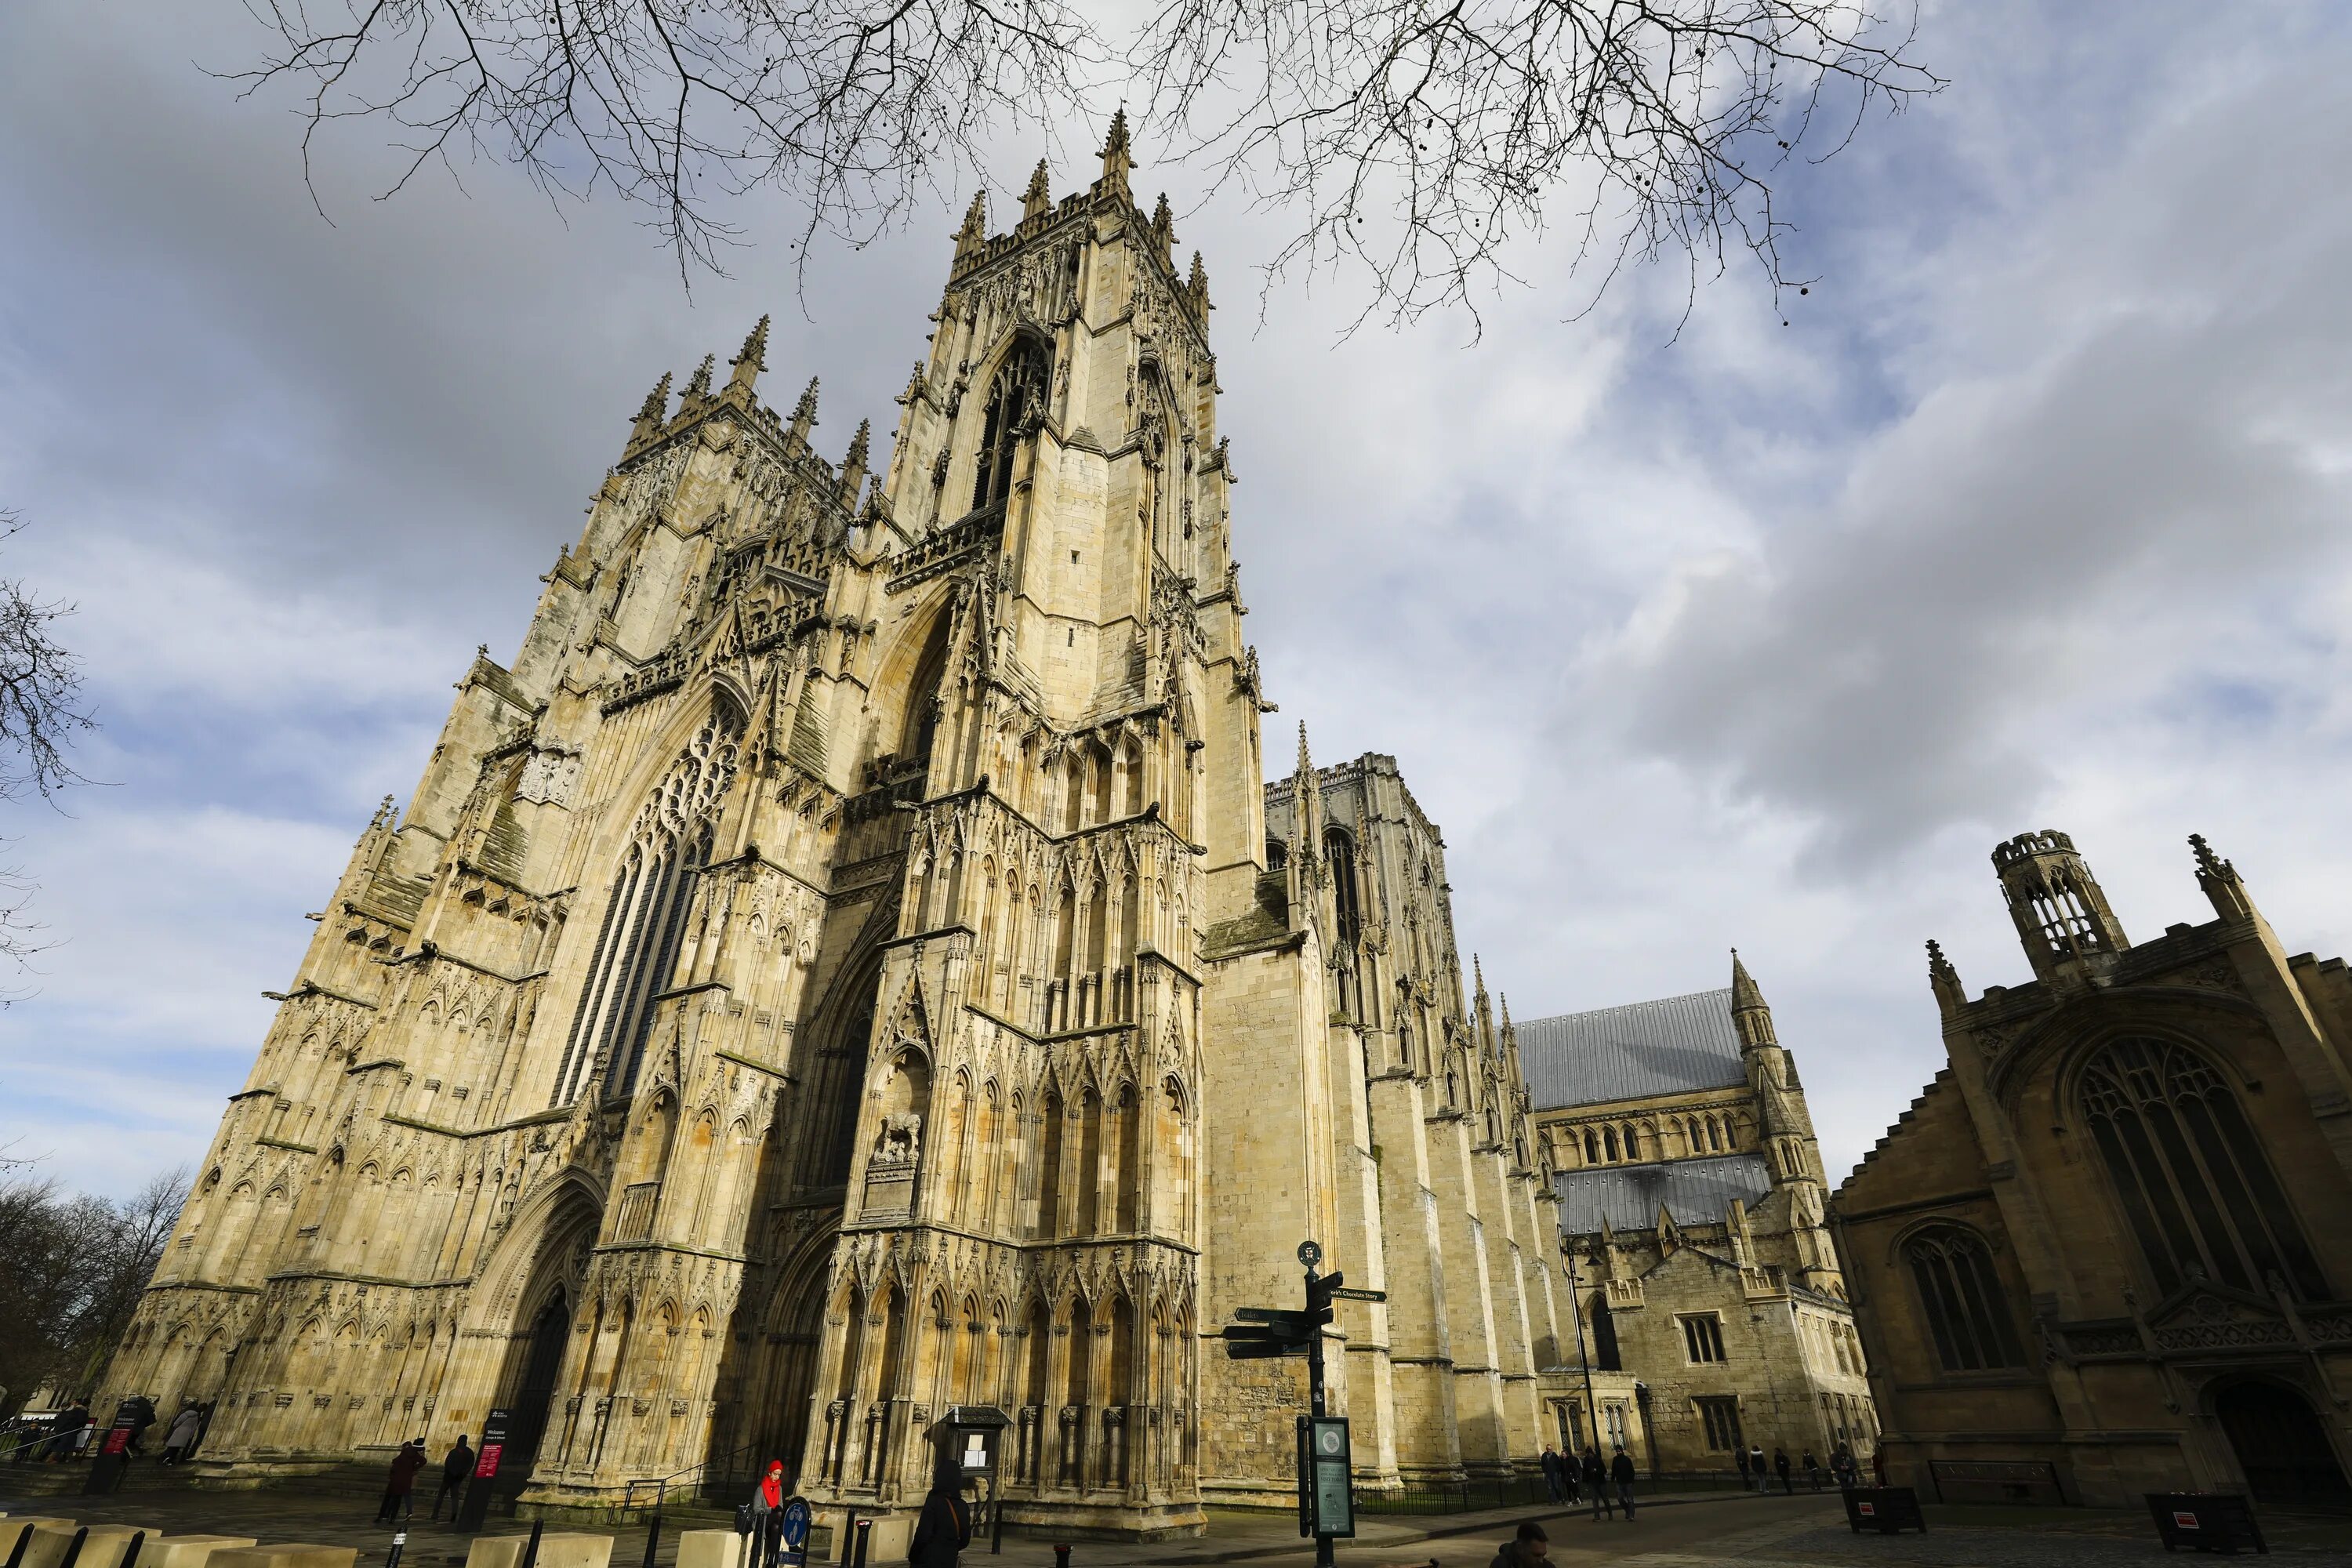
661,1484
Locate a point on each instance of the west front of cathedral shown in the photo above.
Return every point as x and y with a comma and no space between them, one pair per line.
843,968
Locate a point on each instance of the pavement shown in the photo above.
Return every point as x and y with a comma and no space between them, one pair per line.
1702,1529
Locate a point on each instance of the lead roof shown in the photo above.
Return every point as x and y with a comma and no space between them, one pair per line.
1669,1046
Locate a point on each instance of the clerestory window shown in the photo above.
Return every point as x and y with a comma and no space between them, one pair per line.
1014,398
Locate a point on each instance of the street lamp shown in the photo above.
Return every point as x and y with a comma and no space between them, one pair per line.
1583,1357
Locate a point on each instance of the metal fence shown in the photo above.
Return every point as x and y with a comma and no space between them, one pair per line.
1496,1492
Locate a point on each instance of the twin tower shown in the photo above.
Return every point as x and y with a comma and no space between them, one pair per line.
836,972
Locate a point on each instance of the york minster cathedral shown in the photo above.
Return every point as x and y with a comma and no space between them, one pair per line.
851,963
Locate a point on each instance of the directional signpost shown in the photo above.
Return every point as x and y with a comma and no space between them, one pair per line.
1326,1501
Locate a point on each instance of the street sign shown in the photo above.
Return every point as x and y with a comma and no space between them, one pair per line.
1282,1321
1361,1295
1330,1494
1260,1350
1309,1254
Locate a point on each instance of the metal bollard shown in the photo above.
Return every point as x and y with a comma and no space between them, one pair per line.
653,1537
864,1530
1061,1554
530,1552
399,1540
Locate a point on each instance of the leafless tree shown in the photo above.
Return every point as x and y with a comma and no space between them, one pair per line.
72,1272
1413,140
40,714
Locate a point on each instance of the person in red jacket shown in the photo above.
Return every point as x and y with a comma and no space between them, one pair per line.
400,1487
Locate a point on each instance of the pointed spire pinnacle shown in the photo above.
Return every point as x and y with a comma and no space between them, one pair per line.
752,359
914,385
1040,193
1199,286
1944,980
973,234
1163,226
2220,880
384,811
654,410
1117,158
698,388
853,467
804,411
1744,990
1306,762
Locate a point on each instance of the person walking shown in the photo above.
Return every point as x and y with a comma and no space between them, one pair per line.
182,1434
1621,1470
1571,1478
944,1527
1550,1463
66,1428
768,1515
1812,1469
1528,1549
400,1486
1780,1468
1596,1481
455,1466
1842,1466
1756,1470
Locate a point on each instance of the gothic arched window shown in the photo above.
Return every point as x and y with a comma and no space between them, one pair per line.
2189,1171
1961,1295
1339,852
1278,854
1592,1148
645,916
1016,395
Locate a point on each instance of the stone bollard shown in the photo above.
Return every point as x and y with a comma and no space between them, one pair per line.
557,1548
284,1554
188,1550
711,1549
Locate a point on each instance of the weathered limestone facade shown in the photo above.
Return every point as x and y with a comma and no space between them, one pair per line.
1692,1201
1439,1171
833,973
2113,1239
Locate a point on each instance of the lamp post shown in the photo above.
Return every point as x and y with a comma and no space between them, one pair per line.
1583,1356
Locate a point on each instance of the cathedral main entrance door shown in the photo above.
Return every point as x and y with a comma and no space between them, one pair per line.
2280,1445
542,1359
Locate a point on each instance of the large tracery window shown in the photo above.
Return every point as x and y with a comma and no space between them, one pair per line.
1959,1290
1014,397
2189,1172
1340,851
646,915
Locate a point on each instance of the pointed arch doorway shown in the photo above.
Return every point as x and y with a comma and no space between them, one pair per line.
2280,1444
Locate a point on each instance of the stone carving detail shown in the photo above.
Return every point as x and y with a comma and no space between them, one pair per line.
901,1139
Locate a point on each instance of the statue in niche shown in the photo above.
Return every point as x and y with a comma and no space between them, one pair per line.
901,1139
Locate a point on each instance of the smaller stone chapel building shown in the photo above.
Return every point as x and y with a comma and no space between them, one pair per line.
2109,1250
1691,1212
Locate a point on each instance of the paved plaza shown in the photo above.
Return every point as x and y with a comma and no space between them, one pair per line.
1714,1529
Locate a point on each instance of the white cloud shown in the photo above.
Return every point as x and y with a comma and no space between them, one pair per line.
1758,636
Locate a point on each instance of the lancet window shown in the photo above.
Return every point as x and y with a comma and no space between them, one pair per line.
2201,1196
645,915
1014,397
1339,852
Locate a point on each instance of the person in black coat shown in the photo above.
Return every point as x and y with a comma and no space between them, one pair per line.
456,1467
945,1528
1780,1468
1621,1470
1551,1473
1596,1481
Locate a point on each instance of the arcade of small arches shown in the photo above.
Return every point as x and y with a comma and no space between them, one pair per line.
1648,1139
1095,1384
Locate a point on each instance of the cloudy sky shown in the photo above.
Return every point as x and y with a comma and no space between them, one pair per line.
2030,516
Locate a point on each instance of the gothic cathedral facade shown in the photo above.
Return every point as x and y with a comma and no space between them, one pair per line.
834,973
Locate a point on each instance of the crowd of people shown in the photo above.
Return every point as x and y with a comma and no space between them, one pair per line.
71,1433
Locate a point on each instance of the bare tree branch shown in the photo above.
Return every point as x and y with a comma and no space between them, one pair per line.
40,715
1414,140
855,108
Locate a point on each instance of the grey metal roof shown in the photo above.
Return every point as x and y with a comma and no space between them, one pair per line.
1668,1047
1696,1192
